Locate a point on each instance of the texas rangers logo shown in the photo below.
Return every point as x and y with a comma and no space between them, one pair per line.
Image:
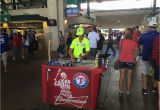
80,80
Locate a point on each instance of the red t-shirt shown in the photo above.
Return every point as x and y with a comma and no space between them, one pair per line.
127,52
136,35
17,41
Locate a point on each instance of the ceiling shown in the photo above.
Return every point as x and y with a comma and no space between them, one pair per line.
120,18
119,21
116,18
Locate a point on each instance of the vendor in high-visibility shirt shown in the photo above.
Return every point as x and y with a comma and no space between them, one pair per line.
80,46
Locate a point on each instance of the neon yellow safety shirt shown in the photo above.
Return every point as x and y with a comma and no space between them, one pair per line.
78,47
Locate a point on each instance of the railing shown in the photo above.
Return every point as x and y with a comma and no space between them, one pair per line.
27,5
3,7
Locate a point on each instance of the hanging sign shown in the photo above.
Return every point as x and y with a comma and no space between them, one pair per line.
72,12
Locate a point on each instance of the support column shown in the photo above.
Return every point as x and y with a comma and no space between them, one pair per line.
60,20
55,11
52,31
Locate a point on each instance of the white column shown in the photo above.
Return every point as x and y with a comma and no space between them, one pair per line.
60,20
52,14
55,11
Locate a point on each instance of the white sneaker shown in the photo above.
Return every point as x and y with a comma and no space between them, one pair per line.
128,94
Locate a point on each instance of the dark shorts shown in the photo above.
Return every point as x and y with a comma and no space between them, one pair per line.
126,65
93,53
17,50
61,49
156,73
26,46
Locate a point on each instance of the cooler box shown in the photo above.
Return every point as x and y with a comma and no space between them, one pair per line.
70,86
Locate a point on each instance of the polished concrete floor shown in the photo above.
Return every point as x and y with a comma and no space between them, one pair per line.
21,88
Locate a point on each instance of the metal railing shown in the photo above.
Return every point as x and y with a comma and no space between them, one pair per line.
27,5
3,7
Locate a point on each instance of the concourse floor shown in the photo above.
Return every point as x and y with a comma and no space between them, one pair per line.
21,88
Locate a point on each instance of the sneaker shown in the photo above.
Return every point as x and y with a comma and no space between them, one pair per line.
13,58
154,91
128,94
144,92
121,93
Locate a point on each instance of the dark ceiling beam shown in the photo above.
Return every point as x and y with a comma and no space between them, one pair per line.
28,17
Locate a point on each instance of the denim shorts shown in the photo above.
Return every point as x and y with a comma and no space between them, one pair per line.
126,65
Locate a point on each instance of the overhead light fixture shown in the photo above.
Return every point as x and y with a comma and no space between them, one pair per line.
65,21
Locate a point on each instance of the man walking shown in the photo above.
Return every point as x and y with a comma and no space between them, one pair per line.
146,40
4,40
110,42
93,38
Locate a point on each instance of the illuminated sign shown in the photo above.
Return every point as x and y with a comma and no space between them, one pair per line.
72,12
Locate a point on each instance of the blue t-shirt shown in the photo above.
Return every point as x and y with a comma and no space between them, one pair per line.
147,40
4,39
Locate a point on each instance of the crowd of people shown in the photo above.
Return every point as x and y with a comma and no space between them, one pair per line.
95,37
147,46
133,44
21,45
84,45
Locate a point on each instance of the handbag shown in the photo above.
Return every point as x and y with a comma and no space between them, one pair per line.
117,62
151,67
150,71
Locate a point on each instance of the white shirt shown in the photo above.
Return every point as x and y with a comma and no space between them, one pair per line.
93,38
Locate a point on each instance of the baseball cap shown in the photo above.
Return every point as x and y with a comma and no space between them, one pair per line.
152,24
80,31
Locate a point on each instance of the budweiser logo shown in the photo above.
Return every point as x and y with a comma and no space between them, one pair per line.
75,101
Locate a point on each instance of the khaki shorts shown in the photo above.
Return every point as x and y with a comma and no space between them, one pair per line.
144,66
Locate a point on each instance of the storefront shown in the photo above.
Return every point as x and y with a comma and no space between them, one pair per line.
24,22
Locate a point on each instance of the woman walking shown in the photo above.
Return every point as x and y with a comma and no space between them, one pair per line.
127,58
